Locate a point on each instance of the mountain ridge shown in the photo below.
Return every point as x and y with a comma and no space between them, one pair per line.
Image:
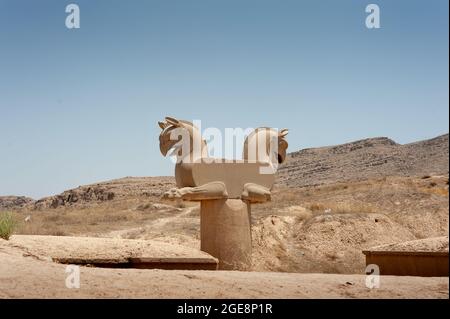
362,159
352,161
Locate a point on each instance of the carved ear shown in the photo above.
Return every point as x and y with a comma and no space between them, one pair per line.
162,125
283,132
173,121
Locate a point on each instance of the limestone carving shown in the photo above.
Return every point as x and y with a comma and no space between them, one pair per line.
226,189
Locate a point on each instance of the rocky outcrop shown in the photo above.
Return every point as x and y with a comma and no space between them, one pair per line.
127,187
79,195
14,202
369,158
360,160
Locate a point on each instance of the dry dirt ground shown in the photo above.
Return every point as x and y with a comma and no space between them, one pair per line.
328,206
307,243
23,275
309,229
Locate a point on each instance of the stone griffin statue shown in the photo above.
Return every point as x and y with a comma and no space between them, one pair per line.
226,189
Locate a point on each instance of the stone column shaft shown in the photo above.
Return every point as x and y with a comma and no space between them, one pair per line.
225,232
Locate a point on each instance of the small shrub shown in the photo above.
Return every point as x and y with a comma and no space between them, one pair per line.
7,225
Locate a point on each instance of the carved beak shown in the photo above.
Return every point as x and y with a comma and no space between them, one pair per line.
165,144
168,147
164,149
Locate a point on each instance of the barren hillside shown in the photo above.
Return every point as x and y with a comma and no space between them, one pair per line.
369,158
360,160
119,189
14,202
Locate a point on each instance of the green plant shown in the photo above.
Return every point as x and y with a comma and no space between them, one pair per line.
7,224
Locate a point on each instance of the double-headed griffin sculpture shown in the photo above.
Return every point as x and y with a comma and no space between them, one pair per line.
226,189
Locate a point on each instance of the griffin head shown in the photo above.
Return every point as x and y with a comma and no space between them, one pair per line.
166,143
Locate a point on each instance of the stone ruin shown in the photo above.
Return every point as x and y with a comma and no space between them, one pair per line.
225,189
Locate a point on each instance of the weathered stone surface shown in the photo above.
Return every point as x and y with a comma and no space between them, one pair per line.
225,188
225,232
114,252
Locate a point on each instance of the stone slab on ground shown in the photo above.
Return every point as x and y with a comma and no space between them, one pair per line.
26,276
114,252
425,257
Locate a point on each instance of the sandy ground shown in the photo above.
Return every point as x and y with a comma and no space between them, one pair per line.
23,275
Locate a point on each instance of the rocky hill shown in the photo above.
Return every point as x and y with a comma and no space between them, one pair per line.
360,160
127,187
14,202
305,228
369,158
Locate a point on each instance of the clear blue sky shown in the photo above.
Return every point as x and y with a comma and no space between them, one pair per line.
81,106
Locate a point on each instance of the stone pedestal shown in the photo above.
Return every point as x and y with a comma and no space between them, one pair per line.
225,232
226,188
